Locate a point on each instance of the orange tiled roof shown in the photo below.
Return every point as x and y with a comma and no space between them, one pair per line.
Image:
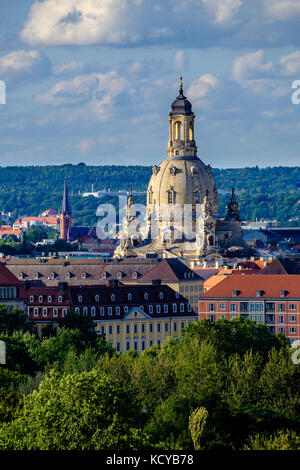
47,220
270,285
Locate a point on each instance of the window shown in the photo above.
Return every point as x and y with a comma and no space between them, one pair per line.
93,311
151,327
35,311
36,275
143,344
174,308
281,330
161,295
292,306
55,312
293,331
281,319
125,309
151,343
102,311
118,329
135,328
49,298
117,310
77,309
104,274
211,317
83,275
41,298
127,329
118,347
281,307
211,307
166,327
182,325
110,329
157,308
103,330
45,311
80,298
182,307
189,307
129,297
31,298
143,328
64,312
150,308
232,316
135,343
97,298
233,307
166,309
171,198
292,318
113,297
127,344
175,326
158,327
222,306
177,293
119,275
85,310
109,310
146,296
60,299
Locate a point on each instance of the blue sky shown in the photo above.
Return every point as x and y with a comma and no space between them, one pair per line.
92,80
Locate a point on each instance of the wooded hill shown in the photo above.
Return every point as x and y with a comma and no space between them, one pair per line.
263,193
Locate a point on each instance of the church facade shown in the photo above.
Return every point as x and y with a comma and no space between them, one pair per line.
182,217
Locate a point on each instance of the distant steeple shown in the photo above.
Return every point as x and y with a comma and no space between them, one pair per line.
233,208
65,215
66,208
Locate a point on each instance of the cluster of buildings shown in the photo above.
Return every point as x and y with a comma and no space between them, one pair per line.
150,288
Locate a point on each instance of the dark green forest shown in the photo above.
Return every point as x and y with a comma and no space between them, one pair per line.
263,193
225,385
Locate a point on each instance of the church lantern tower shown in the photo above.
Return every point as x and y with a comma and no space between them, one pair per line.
65,216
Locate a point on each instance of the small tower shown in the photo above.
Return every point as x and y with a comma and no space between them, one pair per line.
65,215
181,127
233,209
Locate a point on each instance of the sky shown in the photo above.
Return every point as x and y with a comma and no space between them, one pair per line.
93,80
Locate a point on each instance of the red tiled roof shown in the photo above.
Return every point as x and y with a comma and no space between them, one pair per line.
171,270
270,285
7,278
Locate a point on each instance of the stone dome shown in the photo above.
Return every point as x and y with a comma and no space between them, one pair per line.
181,105
188,178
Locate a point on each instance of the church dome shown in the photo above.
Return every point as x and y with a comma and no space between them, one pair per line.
182,181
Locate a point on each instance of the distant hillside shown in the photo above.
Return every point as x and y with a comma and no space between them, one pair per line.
267,193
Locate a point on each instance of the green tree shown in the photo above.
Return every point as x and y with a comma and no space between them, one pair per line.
197,422
13,320
87,411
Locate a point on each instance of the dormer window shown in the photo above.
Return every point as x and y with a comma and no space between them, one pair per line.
31,298
119,275
135,275
235,293
129,297
68,275
283,293
36,275
80,298
40,298
104,275
113,297
20,275
146,296
49,298
60,299
259,293
84,275
161,295
97,298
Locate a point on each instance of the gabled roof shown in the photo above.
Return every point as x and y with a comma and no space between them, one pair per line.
282,266
7,278
171,269
270,286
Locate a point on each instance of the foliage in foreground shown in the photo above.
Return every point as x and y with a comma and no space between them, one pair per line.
224,385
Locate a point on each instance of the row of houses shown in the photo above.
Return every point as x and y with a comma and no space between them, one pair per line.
137,304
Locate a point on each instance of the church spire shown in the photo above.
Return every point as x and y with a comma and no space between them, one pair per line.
66,208
233,208
65,215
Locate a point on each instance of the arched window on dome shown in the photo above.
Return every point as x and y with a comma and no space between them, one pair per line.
178,130
171,197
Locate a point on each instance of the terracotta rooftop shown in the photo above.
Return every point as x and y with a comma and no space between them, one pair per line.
171,269
7,278
268,285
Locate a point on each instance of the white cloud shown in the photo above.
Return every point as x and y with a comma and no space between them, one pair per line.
180,61
201,88
20,65
290,64
251,65
223,11
85,145
281,10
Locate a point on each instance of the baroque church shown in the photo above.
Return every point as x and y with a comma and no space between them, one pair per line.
182,218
